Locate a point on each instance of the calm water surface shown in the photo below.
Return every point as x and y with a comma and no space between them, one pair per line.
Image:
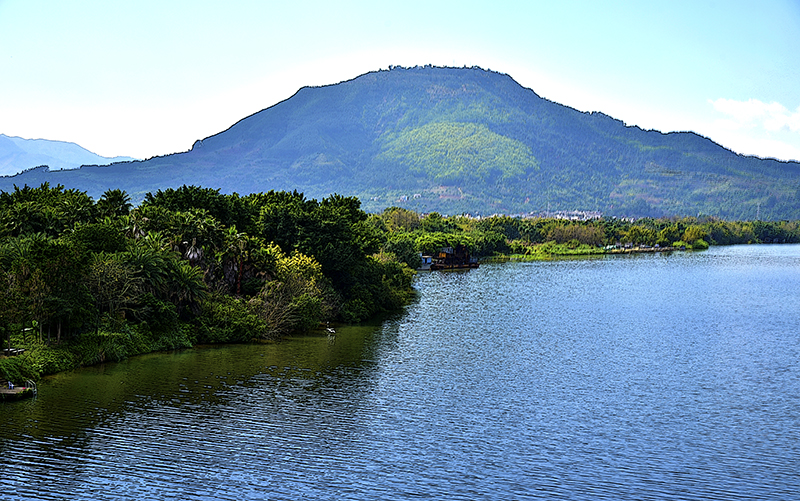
638,377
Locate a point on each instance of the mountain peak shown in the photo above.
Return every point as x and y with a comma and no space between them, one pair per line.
18,154
459,140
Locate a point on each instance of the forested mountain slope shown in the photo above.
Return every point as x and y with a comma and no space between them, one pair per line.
458,140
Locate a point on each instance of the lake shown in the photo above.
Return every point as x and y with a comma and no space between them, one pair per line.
621,377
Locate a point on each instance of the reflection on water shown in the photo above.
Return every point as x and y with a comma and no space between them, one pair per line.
632,377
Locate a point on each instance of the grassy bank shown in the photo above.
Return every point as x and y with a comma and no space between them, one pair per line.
553,250
549,250
41,359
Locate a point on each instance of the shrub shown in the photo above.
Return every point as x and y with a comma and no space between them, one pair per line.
225,319
18,369
159,316
98,347
354,311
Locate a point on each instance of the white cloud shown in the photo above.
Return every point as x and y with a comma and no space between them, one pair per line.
753,127
750,144
772,117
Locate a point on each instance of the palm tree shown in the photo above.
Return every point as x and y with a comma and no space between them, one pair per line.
77,207
133,224
234,253
152,265
193,253
114,203
186,286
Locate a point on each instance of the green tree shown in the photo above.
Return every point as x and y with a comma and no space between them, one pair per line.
669,235
434,222
187,288
102,236
152,265
229,210
240,259
402,246
339,237
583,233
114,284
694,233
43,210
51,275
431,243
489,243
399,219
640,235
282,217
10,302
296,300
114,203
505,225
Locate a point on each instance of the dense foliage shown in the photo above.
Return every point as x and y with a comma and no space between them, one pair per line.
457,140
82,282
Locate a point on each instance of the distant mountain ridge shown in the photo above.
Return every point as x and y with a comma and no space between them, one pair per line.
18,154
458,140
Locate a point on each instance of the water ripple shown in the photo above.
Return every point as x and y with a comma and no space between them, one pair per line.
645,377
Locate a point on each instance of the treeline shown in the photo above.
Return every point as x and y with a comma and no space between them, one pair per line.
410,233
84,281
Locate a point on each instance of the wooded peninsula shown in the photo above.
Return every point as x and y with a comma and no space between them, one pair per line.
83,282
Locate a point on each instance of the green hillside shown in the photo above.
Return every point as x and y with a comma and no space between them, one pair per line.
458,140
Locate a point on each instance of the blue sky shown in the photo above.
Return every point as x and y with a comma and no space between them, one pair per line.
148,78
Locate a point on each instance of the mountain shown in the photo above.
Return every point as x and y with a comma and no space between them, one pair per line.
458,140
17,155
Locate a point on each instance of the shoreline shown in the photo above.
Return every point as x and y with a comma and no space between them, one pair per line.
72,357
41,360
581,252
